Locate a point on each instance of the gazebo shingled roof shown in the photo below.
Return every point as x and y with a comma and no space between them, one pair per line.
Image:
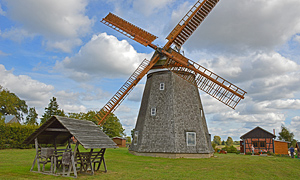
60,129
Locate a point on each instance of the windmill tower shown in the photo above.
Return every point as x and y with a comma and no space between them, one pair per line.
171,121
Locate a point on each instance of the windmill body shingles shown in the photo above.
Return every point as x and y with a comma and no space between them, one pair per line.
178,110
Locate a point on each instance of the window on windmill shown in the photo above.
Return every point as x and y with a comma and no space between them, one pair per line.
191,138
162,86
135,138
153,111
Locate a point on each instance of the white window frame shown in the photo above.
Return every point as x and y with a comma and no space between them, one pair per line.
162,86
135,137
153,111
189,142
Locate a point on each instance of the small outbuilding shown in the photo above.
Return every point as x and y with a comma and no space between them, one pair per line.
298,150
121,142
58,131
281,147
262,141
11,119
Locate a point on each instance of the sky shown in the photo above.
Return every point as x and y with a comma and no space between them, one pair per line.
54,48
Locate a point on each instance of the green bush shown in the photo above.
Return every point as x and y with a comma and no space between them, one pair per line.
230,149
248,153
12,135
213,145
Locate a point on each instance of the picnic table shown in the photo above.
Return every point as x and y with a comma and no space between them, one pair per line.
65,162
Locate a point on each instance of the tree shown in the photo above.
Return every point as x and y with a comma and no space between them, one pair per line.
112,126
213,144
223,142
236,143
285,135
229,141
132,133
128,139
217,140
90,116
51,110
11,104
2,119
32,117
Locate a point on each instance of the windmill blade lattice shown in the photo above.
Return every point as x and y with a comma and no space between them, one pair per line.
204,79
194,73
124,91
128,29
190,22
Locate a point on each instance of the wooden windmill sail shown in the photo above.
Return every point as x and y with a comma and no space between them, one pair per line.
168,58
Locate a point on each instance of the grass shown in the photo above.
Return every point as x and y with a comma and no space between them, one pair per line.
16,164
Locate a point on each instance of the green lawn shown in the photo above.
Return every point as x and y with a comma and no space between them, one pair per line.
16,163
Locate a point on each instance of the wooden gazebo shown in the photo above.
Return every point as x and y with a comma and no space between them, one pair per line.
61,130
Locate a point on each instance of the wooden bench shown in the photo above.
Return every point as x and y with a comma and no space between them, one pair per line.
91,161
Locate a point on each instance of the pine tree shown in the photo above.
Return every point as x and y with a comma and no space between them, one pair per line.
32,117
51,110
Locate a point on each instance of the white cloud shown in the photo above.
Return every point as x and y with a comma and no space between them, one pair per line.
60,22
150,7
1,11
285,104
240,26
104,56
297,38
35,93
136,94
3,53
73,108
295,126
16,34
64,45
38,94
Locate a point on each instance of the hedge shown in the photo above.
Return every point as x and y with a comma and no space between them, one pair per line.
13,135
230,149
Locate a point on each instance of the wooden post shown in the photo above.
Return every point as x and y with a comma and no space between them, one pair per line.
90,159
273,146
73,158
104,164
36,156
54,156
244,146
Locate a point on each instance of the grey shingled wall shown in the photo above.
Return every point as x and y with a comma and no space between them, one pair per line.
178,110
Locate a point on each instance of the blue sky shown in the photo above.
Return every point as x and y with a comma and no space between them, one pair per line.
59,48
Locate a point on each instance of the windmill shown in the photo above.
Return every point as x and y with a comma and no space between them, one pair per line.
171,121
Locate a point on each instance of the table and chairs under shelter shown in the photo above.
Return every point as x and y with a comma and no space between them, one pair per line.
57,144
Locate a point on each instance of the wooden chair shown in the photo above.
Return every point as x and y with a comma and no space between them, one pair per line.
66,162
46,155
84,160
98,159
